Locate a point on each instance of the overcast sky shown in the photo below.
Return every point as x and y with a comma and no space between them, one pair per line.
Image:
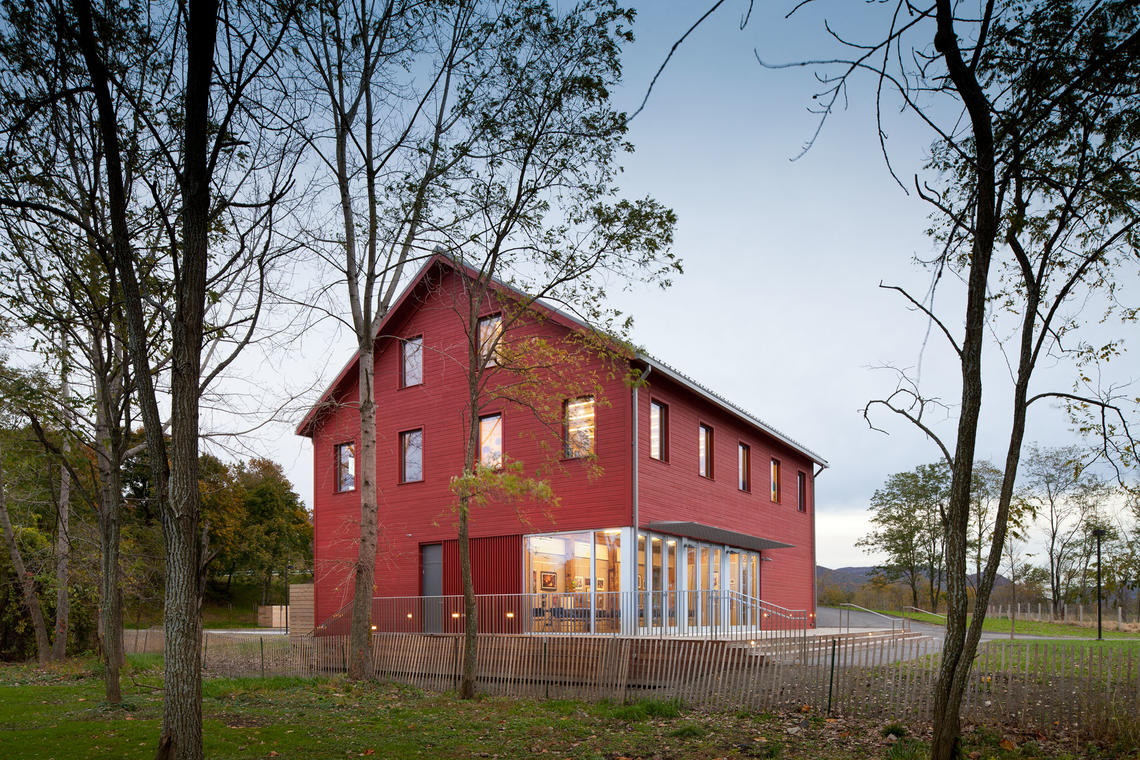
779,308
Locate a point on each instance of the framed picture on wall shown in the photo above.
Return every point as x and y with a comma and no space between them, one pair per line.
549,580
601,584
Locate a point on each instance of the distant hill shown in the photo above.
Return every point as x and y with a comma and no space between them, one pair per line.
851,578
846,578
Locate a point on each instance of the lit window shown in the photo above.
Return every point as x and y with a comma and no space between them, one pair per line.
744,463
412,366
490,334
658,430
776,480
705,451
491,440
412,456
578,427
345,455
801,491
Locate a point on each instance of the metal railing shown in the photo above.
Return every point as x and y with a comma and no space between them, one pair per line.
897,624
924,612
724,615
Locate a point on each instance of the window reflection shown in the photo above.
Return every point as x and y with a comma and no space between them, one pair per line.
491,440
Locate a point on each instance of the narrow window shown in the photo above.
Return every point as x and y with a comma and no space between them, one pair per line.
705,451
345,456
412,456
776,480
412,367
801,491
658,431
744,464
491,440
578,427
490,334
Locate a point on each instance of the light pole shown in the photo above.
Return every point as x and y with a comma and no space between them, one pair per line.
1099,533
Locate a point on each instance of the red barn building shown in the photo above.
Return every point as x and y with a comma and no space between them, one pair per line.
668,494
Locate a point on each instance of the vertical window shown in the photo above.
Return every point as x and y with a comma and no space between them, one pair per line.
579,427
490,333
412,456
658,431
801,491
776,480
744,466
705,451
412,365
345,456
491,440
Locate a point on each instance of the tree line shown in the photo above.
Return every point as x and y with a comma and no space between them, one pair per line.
1050,550
256,526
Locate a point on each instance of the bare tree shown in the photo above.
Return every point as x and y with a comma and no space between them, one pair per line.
376,131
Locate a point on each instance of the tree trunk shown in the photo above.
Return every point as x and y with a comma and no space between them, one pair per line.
470,613
27,584
957,653
110,597
62,554
360,650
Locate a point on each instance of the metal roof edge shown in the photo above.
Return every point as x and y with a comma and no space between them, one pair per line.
688,382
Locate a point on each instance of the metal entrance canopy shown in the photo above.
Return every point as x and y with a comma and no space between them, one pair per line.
708,533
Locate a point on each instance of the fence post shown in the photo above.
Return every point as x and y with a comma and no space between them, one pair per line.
831,678
545,671
261,642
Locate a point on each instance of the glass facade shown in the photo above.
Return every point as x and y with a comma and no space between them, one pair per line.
674,584
576,581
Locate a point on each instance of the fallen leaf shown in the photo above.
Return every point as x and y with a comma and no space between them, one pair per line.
1006,744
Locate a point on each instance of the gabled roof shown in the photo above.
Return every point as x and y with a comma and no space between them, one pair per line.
440,261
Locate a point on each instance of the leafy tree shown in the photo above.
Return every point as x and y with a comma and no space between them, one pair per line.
530,208
907,513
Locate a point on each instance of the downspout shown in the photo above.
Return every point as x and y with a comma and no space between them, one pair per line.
814,583
636,437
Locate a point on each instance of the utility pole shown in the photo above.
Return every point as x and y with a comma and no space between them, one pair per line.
1099,533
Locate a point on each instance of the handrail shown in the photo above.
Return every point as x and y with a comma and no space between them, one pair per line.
904,623
925,612
724,614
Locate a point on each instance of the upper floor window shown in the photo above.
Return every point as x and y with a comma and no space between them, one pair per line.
489,335
344,455
579,427
412,361
801,491
412,456
659,431
776,480
744,467
491,440
705,451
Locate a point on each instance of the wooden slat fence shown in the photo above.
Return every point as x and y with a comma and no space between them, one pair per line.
1044,686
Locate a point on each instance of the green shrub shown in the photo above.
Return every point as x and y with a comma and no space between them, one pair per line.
688,731
896,729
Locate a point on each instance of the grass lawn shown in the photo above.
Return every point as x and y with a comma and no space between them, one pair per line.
58,714
1025,627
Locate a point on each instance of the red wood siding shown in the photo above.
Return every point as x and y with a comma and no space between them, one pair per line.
411,514
674,490
496,565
